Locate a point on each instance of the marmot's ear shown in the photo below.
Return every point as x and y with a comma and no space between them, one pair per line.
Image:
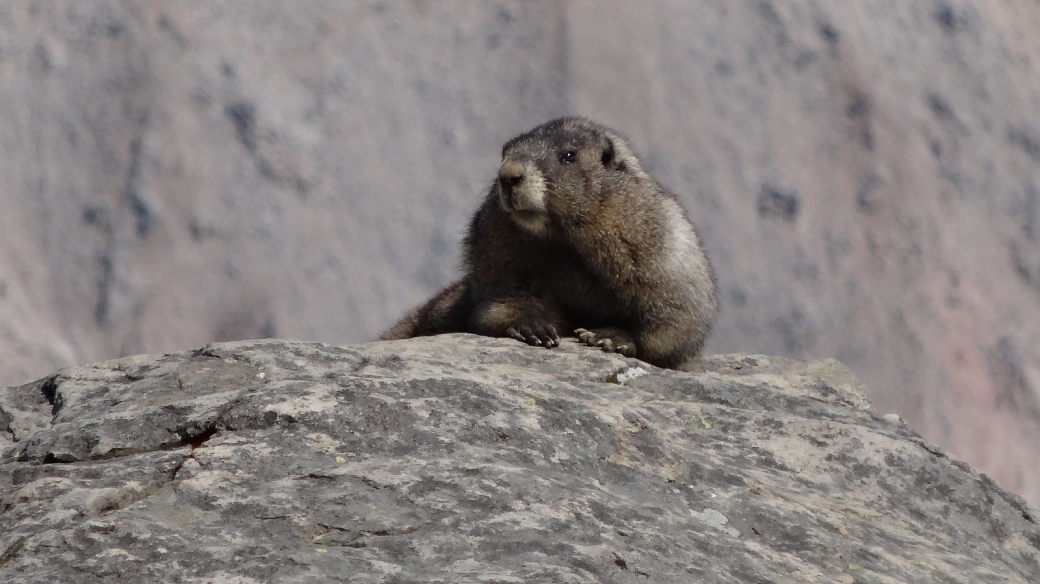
621,157
609,156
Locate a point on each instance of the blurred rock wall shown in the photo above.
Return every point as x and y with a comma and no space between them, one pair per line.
866,175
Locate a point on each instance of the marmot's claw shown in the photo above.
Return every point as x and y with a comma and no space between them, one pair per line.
553,335
514,333
585,336
529,336
538,335
611,340
550,338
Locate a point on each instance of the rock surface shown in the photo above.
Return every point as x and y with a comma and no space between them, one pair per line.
466,459
866,175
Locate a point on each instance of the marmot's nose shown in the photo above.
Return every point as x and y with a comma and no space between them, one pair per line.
510,174
509,182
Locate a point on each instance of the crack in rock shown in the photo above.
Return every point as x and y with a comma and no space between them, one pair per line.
12,550
49,389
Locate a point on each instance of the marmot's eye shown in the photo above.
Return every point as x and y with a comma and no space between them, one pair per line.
568,157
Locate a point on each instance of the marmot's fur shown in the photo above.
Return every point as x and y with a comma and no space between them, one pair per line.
575,236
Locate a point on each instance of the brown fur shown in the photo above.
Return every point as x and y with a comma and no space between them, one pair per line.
574,233
446,312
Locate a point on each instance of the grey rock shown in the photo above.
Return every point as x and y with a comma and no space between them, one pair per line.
468,459
864,174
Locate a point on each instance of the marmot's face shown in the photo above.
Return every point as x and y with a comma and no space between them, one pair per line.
556,173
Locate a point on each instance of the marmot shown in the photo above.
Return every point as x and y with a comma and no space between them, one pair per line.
574,235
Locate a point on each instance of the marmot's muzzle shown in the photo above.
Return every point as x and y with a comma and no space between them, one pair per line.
521,187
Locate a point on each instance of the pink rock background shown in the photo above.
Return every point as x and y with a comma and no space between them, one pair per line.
866,175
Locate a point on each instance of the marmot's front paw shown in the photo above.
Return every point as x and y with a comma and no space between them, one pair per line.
538,333
610,339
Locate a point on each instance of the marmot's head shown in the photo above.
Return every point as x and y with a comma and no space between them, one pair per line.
561,171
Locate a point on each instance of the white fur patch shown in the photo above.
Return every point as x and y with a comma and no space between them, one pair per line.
530,195
538,225
528,208
683,257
